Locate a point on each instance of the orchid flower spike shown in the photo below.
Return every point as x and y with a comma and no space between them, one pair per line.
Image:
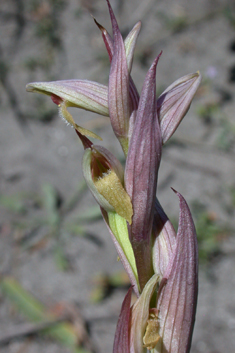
162,319
162,265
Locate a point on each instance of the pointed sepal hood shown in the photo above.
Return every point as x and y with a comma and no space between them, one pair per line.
177,297
174,102
141,172
130,43
118,93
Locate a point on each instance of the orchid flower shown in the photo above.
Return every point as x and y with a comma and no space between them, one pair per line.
162,265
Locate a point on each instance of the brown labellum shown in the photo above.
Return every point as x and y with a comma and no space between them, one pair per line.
151,337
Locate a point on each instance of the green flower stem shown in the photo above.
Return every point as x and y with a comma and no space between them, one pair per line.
118,226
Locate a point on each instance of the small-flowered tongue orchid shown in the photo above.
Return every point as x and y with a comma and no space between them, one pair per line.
162,265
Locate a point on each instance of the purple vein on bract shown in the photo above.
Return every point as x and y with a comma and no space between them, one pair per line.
178,297
118,96
164,240
122,334
141,172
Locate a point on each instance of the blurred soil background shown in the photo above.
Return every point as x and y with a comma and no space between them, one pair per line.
61,284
